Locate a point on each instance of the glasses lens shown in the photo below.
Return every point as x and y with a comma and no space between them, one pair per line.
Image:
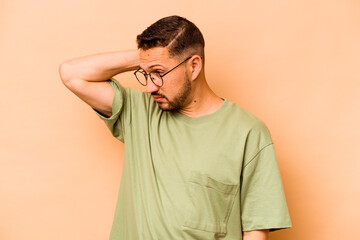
141,78
157,80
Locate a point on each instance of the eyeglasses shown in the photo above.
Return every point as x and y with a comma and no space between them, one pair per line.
155,77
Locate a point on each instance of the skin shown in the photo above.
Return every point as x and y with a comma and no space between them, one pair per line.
185,88
176,88
256,235
86,76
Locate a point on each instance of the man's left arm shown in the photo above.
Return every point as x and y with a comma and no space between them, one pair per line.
256,235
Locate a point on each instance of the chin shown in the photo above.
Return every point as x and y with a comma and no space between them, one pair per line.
166,107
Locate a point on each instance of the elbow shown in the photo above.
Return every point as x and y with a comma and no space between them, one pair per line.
65,71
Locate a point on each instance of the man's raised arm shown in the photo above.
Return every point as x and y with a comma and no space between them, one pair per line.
87,76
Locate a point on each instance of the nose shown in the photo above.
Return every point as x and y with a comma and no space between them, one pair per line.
151,87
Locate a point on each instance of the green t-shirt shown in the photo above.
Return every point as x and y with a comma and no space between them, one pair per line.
210,177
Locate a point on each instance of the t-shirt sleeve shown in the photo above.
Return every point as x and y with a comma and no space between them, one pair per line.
263,203
120,111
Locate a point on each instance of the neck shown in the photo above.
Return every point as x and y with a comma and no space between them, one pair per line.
202,100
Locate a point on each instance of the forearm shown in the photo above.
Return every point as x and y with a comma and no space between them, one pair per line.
100,66
256,235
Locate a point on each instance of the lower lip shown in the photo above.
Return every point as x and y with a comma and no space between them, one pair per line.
159,99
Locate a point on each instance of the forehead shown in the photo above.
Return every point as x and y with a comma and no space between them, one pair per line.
158,56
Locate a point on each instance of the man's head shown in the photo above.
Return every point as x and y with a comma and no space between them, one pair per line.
169,42
180,36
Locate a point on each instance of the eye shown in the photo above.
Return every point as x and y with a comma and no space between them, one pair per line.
158,72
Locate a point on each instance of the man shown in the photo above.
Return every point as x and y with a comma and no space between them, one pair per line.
196,166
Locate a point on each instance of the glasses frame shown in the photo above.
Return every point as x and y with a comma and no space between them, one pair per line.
161,76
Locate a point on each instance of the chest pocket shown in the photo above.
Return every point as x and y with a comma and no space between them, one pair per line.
212,202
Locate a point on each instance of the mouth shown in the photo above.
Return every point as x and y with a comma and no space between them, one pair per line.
158,98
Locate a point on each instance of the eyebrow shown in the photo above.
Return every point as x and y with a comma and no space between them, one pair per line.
154,66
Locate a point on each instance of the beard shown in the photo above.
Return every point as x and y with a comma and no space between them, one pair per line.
179,99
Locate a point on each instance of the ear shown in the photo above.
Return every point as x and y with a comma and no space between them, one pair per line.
196,65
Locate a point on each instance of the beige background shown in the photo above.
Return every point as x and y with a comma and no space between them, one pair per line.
294,64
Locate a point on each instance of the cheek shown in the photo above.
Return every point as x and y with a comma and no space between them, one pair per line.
167,88
167,92
172,85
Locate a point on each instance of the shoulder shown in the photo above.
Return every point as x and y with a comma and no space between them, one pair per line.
244,118
248,127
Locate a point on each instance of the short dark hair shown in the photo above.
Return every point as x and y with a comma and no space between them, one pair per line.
176,33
